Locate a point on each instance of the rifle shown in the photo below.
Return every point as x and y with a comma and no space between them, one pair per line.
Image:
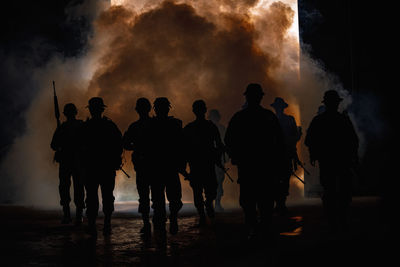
127,175
219,165
295,175
56,108
301,164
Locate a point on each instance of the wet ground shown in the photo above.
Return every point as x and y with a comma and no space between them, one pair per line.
36,237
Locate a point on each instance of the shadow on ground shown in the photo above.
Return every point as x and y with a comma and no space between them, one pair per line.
36,237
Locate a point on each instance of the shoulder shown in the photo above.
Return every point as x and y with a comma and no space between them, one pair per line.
133,125
109,123
189,126
212,125
175,121
317,120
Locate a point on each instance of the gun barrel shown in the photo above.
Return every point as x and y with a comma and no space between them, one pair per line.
127,175
56,108
295,175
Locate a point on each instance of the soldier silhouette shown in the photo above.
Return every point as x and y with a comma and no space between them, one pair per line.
66,143
136,138
254,142
291,135
333,142
203,149
168,160
215,117
102,143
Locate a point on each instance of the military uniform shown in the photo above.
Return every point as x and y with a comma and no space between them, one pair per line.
219,171
103,149
203,148
66,142
136,138
333,142
167,157
254,141
291,135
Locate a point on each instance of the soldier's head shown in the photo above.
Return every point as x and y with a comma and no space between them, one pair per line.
70,111
96,106
279,104
143,106
214,115
332,100
161,106
199,108
254,93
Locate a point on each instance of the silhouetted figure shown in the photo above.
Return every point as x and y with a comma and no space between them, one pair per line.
66,143
137,138
254,141
103,148
215,117
168,160
203,148
333,142
292,135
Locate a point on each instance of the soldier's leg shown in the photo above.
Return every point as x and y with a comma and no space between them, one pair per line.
174,196
79,195
107,193
247,197
220,190
64,186
247,201
92,203
158,199
210,192
344,199
143,188
198,200
265,204
282,193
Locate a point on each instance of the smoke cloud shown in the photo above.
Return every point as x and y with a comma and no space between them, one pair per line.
183,50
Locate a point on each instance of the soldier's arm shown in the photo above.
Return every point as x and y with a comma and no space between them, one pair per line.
127,141
230,138
310,141
55,141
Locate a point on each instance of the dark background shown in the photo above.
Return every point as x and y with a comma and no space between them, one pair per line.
348,37
31,33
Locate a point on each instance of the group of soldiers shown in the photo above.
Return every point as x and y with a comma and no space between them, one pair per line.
262,145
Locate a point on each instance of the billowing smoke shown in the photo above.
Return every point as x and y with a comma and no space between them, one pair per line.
184,50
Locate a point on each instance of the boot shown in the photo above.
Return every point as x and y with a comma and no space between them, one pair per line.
67,215
202,217
91,228
173,224
79,216
210,210
146,229
107,225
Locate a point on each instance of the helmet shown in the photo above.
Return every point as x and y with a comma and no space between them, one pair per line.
161,101
70,109
96,102
279,103
143,104
331,96
254,89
